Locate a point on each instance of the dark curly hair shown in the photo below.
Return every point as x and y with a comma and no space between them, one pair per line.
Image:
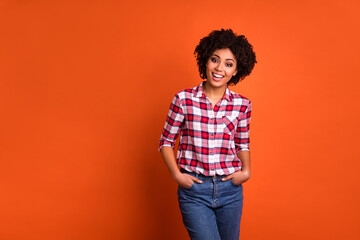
239,46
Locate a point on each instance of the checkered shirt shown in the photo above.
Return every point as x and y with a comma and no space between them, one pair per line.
209,137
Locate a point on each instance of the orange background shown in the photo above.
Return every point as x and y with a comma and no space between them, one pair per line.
85,87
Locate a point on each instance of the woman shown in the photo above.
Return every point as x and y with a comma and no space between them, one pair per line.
213,153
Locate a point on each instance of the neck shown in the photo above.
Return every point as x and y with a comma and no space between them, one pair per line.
213,91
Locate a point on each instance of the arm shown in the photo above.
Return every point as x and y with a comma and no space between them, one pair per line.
168,137
242,176
183,179
242,147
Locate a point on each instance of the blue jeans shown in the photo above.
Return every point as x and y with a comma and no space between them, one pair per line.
211,210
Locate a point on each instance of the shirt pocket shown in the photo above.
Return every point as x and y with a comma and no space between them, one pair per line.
230,122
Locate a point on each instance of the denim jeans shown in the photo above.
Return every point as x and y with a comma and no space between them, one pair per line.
211,210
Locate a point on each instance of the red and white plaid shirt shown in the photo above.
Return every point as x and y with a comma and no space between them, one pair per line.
209,137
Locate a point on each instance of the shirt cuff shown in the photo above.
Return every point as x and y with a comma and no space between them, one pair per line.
243,149
165,144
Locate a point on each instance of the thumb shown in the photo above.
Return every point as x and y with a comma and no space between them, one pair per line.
226,178
196,180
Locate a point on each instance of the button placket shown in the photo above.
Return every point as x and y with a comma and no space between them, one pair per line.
211,137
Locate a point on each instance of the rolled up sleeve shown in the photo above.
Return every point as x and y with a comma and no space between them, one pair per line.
173,124
242,139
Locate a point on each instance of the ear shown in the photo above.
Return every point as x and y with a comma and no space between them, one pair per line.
235,73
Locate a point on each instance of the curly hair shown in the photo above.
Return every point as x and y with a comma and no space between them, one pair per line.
239,46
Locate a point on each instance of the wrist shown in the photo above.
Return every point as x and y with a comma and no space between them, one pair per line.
176,175
246,172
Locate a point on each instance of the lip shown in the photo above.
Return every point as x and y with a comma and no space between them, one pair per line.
217,79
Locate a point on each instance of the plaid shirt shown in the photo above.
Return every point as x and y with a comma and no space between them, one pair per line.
209,137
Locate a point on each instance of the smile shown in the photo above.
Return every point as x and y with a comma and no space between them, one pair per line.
217,76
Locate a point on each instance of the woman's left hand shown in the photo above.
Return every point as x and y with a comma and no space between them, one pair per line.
238,177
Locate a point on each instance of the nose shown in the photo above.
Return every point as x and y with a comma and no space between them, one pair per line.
219,67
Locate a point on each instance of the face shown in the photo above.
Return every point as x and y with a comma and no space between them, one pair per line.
220,68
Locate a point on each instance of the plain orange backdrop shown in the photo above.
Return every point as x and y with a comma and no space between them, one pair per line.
85,87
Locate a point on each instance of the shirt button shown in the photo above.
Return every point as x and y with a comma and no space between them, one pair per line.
212,135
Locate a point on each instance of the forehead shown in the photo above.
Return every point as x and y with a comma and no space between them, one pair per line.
224,53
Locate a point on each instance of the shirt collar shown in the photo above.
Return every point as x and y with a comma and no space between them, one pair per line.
200,93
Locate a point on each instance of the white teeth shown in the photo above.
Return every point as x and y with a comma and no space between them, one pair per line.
219,76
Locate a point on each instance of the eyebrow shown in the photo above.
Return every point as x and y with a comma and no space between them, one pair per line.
225,59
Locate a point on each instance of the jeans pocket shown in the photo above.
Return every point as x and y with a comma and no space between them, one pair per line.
182,192
192,185
234,184
188,188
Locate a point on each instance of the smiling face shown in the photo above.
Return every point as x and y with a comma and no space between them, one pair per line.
220,68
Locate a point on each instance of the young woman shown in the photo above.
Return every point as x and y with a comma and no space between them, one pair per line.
213,153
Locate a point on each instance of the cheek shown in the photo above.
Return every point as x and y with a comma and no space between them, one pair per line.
208,71
209,68
233,72
230,73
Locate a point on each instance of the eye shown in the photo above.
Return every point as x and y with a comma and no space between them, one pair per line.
214,60
229,64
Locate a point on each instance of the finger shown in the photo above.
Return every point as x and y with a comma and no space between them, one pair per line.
196,180
227,178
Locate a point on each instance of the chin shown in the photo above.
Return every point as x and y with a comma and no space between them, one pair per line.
217,84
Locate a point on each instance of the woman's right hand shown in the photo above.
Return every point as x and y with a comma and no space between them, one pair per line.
185,180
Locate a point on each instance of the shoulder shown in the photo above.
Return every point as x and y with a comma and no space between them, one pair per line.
186,93
240,99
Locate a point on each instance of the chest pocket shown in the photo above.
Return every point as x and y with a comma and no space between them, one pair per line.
230,122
